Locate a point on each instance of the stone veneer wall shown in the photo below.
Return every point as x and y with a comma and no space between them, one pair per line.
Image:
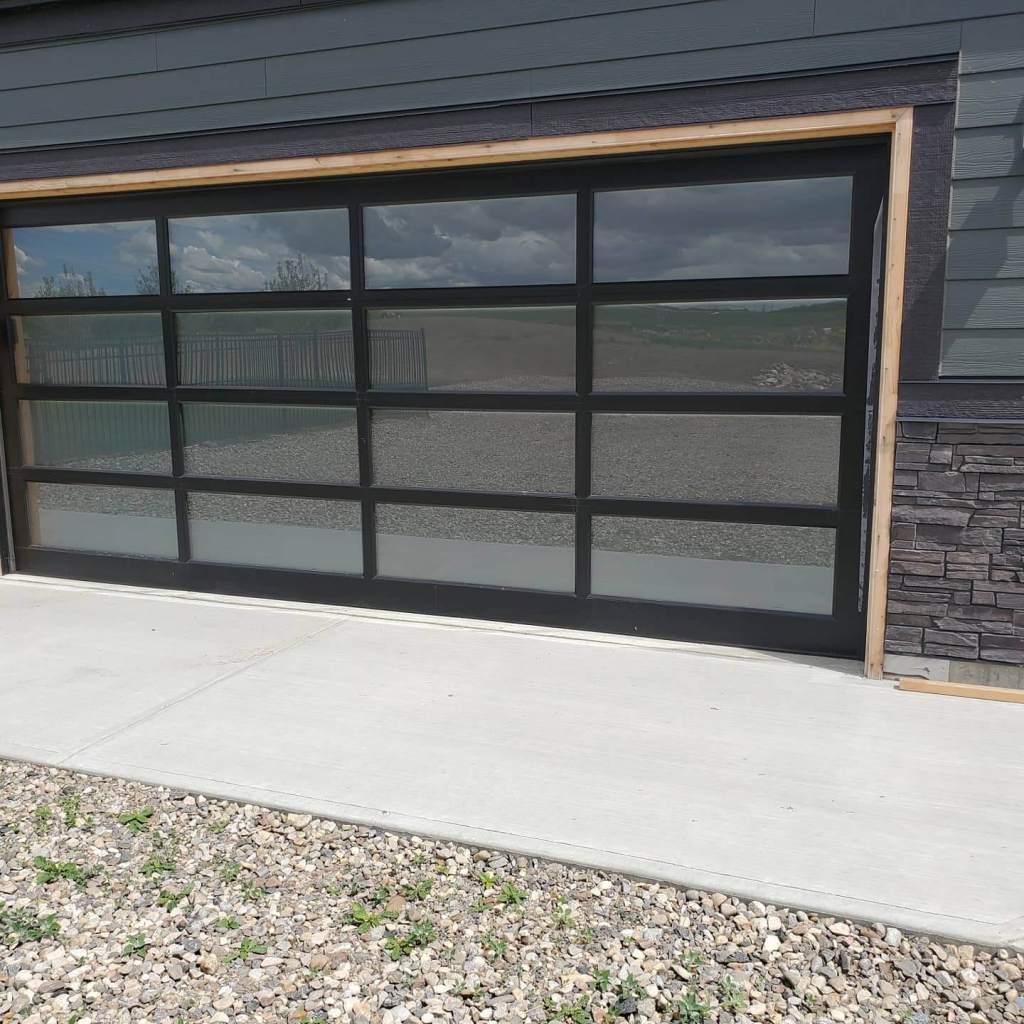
957,563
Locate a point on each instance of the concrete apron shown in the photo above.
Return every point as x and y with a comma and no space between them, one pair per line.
785,779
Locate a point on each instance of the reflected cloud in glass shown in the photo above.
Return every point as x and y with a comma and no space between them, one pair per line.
742,229
293,251
526,240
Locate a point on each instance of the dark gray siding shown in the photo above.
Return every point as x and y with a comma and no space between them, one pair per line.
984,317
379,57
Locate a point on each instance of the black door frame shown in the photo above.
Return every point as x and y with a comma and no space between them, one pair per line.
840,633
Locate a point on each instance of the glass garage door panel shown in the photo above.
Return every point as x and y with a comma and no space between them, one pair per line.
739,565
474,451
105,520
314,444
783,228
527,550
788,460
102,349
510,349
276,532
110,437
788,346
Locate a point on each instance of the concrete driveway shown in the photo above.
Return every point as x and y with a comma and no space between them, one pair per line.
788,780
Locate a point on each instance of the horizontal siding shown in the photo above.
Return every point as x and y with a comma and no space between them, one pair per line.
856,15
984,305
990,254
631,34
993,44
368,23
75,62
988,203
988,152
131,94
983,353
372,98
991,98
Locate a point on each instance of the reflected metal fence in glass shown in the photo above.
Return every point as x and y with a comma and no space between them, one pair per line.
511,348
90,349
110,437
103,520
492,547
736,565
782,459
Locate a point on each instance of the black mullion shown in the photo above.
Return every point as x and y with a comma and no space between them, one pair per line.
57,475
8,424
90,393
832,286
266,396
717,511
584,382
85,304
163,255
361,343
201,302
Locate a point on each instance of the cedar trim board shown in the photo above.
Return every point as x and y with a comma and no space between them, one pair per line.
911,684
811,127
896,121
888,384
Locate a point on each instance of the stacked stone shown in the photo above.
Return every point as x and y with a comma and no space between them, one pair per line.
956,585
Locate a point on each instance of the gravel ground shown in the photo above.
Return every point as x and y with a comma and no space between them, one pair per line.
124,902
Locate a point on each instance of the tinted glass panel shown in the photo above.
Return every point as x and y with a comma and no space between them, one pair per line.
744,229
112,437
271,442
528,240
285,533
71,260
103,348
294,251
783,459
267,349
476,451
768,345
509,349
742,565
531,550
108,520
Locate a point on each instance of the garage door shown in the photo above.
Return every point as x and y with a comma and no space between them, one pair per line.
625,396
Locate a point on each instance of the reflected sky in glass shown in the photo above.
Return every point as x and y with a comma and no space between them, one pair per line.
298,250
527,240
741,229
72,260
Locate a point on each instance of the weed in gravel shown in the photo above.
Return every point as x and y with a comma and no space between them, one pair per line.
380,896
576,1013
136,945
511,895
252,892
419,890
629,988
21,926
169,900
479,905
137,821
690,1010
50,871
689,960
366,920
732,997
71,806
246,948
228,923
43,819
495,946
157,866
422,933
488,880
229,870
562,914
603,980
217,827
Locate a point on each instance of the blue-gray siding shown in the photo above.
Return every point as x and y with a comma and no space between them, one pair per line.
382,56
